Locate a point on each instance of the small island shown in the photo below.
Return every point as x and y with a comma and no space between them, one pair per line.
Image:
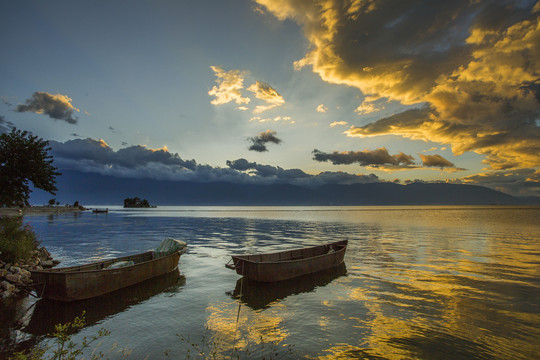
137,202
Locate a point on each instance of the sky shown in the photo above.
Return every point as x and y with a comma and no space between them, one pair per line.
295,91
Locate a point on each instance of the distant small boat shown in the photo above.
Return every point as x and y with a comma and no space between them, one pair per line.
100,211
98,278
289,264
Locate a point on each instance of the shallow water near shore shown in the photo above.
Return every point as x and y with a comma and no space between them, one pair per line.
418,282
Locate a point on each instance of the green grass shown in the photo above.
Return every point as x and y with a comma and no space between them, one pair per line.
17,241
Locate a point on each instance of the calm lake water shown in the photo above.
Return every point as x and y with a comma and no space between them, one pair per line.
418,282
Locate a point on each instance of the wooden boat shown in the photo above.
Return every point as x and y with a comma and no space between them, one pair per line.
97,211
98,278
289,264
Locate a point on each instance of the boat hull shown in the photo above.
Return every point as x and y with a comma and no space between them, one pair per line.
286,265
91,280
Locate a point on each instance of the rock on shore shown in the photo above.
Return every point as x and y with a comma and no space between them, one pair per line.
15,278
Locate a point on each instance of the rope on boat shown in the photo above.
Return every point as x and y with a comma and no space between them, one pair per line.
29,292
238,313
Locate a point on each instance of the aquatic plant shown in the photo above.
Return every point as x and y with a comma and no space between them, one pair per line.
212,347
63,347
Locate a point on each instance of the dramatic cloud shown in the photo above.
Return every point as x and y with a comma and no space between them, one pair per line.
229,87
472,67
379,158
259,142
56,106
270,96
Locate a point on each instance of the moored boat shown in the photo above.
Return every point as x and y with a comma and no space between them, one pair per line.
289,264
98,278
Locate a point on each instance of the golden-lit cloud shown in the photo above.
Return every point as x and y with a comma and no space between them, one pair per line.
516,182
285,119
266,93
229,87
336,123
56,106
472,69
368,107
438,161
322,109
435,160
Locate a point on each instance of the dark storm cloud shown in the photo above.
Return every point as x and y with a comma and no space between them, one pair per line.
138,161
259,142
375,158
271,174
56,106
266,170
89,155
515,182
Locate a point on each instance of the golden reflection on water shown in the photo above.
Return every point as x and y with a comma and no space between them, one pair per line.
458,300
419,283
246,328
460,305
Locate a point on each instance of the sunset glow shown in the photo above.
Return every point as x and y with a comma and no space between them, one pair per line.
197,82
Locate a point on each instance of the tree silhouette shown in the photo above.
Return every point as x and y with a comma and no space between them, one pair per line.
24,158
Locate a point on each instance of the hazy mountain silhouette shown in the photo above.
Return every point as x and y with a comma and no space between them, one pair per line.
92,188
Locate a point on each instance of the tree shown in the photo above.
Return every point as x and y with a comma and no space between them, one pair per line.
24,158
136,202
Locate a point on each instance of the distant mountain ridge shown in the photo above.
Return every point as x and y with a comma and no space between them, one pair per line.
93,188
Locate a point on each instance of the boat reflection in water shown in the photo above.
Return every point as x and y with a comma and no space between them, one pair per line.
259,295
47,313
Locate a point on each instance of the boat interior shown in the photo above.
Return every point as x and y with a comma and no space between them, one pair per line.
295,254
133,259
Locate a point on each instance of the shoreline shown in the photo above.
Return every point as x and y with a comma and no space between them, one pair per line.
30,210
15,278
